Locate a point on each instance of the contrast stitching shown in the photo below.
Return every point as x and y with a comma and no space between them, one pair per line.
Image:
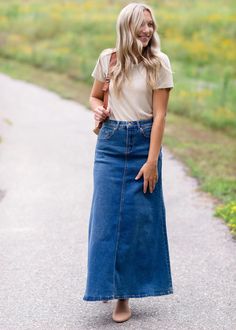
123,123
124,296
121,200
163,229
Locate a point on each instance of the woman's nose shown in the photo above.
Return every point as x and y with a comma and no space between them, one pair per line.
146,28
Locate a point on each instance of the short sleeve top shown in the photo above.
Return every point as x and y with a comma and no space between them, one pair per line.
135,102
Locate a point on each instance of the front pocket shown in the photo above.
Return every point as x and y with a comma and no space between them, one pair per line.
146,131
106,132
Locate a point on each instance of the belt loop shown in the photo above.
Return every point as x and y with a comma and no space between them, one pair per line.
128,123
139,126
117,124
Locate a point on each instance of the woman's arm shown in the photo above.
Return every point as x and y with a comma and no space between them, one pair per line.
96,101
96,95
149,169
160,103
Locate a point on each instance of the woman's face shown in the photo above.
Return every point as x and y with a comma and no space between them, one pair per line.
147,28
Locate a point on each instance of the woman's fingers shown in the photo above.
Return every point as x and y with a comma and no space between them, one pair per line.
107,112
151,183
149,178
145,185
139,174
101,113
97,117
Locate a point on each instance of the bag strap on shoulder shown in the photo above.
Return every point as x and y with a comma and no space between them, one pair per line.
105,89
107,81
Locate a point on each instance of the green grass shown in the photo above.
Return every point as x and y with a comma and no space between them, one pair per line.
205,153
210,156
67,36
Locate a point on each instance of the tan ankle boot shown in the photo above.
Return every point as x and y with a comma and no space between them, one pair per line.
122,311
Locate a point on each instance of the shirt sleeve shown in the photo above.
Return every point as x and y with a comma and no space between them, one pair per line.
165,76
99,71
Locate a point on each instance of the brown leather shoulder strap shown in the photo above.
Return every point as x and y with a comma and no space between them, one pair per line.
107,82
106,89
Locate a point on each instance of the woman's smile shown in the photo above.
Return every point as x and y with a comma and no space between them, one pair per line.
144,38
147,28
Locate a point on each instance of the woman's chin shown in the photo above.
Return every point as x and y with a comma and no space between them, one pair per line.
145,43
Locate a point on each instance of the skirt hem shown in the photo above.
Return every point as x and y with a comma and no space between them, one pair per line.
125,296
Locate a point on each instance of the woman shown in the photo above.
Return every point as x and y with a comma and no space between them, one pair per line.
128,253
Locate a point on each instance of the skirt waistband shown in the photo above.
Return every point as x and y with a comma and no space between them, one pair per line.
128,123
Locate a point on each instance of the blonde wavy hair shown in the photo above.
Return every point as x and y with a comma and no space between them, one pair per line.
129,47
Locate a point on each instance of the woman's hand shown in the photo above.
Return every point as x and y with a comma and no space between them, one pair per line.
150,175
100,113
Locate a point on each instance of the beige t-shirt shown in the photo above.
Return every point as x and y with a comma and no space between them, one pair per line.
135,102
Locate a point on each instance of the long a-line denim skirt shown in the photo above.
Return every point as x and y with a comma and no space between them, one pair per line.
128,254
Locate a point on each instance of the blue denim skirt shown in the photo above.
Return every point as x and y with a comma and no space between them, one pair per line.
128,254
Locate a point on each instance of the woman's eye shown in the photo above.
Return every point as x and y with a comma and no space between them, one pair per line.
149,24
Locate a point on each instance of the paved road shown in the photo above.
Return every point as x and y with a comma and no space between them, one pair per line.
46,162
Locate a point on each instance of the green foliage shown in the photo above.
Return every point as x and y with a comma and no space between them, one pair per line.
228,213
67,37
210,156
